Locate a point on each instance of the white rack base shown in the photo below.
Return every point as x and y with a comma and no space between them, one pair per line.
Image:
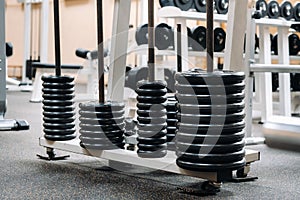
167,163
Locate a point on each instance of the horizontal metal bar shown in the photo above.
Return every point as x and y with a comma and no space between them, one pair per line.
280,68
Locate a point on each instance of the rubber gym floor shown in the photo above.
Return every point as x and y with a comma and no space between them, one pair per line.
24,176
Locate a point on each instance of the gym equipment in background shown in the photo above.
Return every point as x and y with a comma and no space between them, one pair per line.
219,39
102,124
294,44
297,11
198,42
164,36
7,50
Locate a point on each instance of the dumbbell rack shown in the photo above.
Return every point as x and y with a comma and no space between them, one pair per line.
289,126
115,93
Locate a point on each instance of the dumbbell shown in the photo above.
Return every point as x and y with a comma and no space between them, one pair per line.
181,4
198,42
297,11
286,10
164,35
273,9
294,44
219,39
261,7
222,6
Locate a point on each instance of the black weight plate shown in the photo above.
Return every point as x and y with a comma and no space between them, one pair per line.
100,107
172,115
197,77
144,84
225,129
151,92
58,85
57,103
208,109
59,114
164,3
212,158
222,6
152,120
152,113
58,108
273,9
141,35
58,120
152,141
57,79
213,118
58,126
102,146
150,106
261,6
152,127
58,96
172,122
207,167
287,10
103,140
183,4
297,12
294,44
150,99
95,114
151,147
152,134
59,131
219,38
58,91
214,139
163,36
200,5
210,99
104,128
101,134
171,130
198,41
101,121
60,137
210,89
210,148
152,154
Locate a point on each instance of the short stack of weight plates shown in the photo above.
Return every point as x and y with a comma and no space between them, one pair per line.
211,123
102,125
58,108
152,139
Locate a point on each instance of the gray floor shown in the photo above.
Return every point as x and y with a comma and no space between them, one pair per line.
23,176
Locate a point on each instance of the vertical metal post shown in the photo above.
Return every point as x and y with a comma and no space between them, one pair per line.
210,35
57,38
179,58
44,31
151,53
100,50
2,61
27,38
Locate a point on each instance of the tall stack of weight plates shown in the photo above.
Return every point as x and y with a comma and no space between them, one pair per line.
102,125
58,108
152,139
211,123
171,107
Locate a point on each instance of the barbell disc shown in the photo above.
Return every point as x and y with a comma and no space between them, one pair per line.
141,34
198,42
183,5
273,9
261,6
200,5
219,39
222,6
164,3
287,10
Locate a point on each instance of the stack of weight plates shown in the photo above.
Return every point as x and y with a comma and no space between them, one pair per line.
102,125
58,108
211,123
152,139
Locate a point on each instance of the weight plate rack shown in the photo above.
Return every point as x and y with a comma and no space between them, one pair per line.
211,123
58,108
171,108
152,139
101,125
